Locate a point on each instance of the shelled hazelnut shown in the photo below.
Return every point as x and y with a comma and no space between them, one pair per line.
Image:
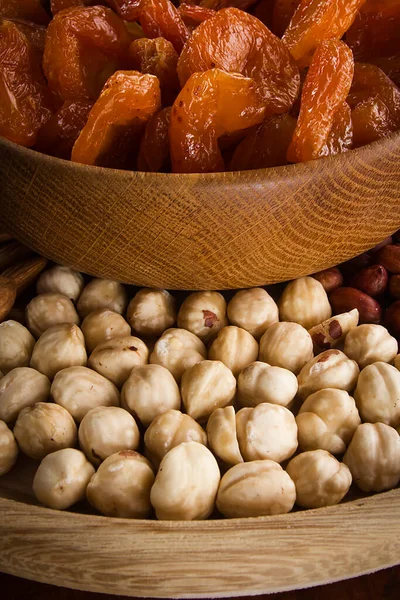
177,350
59,347
235,347
151,312
377,394
304,301
286,345
102,293
20,388
16,346
259,382
61,280
367,344
115,358
222,435
47,310
8,449
102,325
204,314
253,310
330,369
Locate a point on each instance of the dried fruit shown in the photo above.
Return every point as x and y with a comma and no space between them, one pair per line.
340,137
345,299
35,34
160,18
193,14
154,148
57,5
129,10
30,10
375,31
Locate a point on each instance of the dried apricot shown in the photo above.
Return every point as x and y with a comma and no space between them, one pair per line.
340,138
325,88
371,121
84,46
29,10
61,131
57,5
266,146
283,12
237,42
157,57
117,120
193,14
218,4
129,10
211,104
160,18
154,148
390,65
315,21
24,100
35,34
375,31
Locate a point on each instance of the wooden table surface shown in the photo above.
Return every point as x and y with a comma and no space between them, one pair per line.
383,585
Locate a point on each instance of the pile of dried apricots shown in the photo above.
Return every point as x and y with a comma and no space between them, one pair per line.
198,87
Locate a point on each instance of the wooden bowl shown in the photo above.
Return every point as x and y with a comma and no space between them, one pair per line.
212,231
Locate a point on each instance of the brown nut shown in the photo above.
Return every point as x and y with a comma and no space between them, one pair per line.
330,279
346,298
394,286
372,280
385,242
356,264
392,319
389,257
332,332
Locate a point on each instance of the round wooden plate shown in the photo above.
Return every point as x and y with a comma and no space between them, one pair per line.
216,558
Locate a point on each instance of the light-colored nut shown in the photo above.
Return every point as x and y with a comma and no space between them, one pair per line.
44,428
204,314
102,293
20,388
320,479
121,487
266,431
61,280
330,333
106,430
286,345
177,350
16,346
377,394
116,358
256,489
368,344
304,301
149,391
79,390
151,312
205,387
59,347
330,369
327,421
102,325
259,382
235,347
373,457
221,434
47,310
8,449
186,484
253,310
168,430
62,478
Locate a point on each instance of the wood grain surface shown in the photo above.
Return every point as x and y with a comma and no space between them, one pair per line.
212,231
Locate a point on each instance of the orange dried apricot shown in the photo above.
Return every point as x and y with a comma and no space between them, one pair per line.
200,117
129,10
283,12
35,34
315,21
340,138
160,18
371,121
24,99
154,148
57,5
29,10
193,14
237,42
390,65
326,86
375,31
117,120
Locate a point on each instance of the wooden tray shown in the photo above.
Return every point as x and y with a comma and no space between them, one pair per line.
216,558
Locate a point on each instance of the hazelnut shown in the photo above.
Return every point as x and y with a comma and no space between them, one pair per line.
235,347
61,280
168,430
116,358
327,421
47,310
20,388
206,386
330,279
62,478
186,484
253,310
121,487
397,362
102,293
59,347
320,479
204,314
259,382
330,333
266,431
105,430
377,394
177,350
44,428
149,391
16,346
345,299
221,434
78,390
373,457
367,344
330,369
304,301
256,489
102,325
286,345
8,449
151,312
